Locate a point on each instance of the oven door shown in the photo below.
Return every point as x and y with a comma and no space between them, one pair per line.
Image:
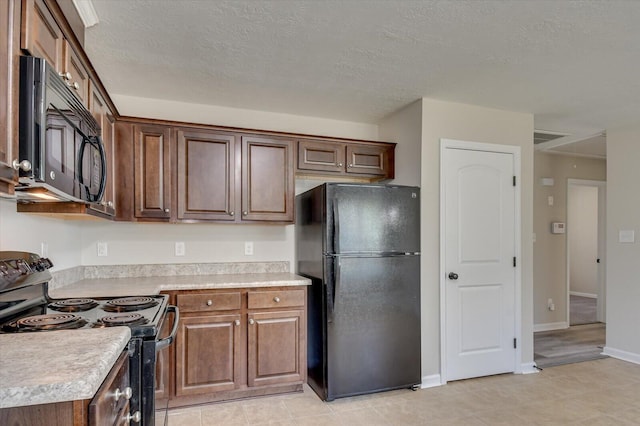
154,370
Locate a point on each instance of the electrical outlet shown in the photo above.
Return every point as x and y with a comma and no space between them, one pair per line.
248,248
102,248
180,250
550,305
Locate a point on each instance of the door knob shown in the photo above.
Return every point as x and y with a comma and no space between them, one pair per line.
453,276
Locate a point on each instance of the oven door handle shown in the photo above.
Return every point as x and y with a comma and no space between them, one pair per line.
163,343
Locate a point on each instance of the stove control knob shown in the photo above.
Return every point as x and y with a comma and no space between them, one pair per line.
135,417
128,393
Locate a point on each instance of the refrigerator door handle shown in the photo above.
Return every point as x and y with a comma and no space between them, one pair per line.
336,228
332,289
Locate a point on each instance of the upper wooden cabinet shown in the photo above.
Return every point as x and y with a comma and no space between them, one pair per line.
267,179
103,115
361,160
152,171
206,175
9,97
41,35
74,73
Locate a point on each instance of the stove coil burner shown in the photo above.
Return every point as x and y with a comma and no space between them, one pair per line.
122,319
128,304
73,305
49,322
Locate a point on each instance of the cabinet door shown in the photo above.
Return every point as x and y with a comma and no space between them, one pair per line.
369,160
152,171
208,354
103,116
41,36
75,74
206,175
276,347
321,156
9,75
267,179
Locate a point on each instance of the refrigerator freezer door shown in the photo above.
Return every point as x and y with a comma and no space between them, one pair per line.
373,328
372,219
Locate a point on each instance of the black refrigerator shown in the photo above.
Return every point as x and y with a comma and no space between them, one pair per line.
360,246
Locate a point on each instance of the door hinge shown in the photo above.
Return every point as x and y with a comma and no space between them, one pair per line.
515,345
514,181
514,261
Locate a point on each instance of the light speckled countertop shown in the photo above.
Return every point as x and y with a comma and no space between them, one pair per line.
56,366
141,286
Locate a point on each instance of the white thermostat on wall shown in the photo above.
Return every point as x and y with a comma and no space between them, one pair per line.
557,228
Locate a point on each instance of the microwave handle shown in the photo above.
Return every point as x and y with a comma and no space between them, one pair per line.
95,140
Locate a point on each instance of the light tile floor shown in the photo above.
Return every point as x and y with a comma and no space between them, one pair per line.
602,392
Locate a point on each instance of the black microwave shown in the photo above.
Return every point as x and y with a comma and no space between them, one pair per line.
62,157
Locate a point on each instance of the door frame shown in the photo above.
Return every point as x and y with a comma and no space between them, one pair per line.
484,147
602,252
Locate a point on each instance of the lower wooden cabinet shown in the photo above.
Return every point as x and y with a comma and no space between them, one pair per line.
238,343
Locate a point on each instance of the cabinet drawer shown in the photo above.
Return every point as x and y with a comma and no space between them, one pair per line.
275,299
209,302
109,402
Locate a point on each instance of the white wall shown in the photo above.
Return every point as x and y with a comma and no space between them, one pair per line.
25,232
623,265
405,128
470,123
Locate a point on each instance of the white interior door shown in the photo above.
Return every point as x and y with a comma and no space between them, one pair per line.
479,217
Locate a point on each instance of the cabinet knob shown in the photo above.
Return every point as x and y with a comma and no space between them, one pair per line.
244,213
237,322
166,210
24,165
127,393
135,417
231,213
340,164
110,203
65,75
251,321
276,299
350,165
209,302
75,85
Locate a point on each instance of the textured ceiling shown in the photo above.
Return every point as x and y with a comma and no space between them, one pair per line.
574,64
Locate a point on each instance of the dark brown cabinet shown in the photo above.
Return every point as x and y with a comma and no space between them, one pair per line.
41,35
152,171
74,73
267,179
9,78
206,175
106,121
238,343
373,161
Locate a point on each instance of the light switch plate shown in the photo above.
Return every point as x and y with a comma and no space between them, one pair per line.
627,236
102,248
248,248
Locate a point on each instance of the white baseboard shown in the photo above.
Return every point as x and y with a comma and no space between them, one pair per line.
528,368
589,295
431,381
623,355
550,326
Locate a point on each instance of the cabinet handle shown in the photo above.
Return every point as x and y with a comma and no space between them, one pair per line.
231,213
237,322
244,213
276,299
65,75
128,393
251,321
209,302
24,165
166,210
135,417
